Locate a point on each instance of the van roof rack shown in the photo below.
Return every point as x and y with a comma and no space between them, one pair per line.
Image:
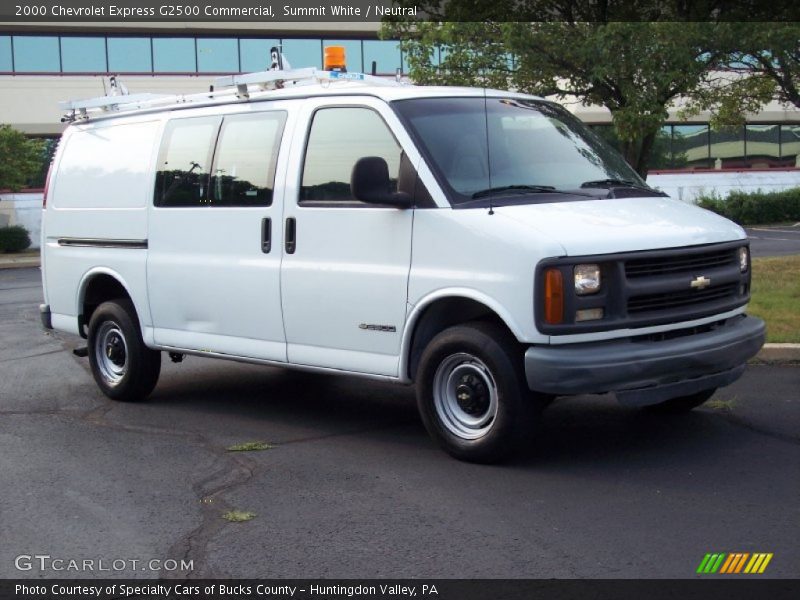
238,86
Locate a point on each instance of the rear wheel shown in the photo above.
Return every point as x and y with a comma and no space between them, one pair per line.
123,367
472,395
682,404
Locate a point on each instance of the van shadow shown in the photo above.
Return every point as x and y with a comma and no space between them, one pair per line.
327,404
586,430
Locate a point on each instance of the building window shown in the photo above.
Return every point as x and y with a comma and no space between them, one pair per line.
303,53
255,54
184,162
385,54
129,55
83,55
36,54
790,146
6,64
727,149
338,138
217,55
662,154
763,146
690,147
174,55
352,53
246,157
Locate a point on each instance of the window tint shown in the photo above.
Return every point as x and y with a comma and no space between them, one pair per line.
83,54
174,55
338,138
217,55
244,165
184,160
5,53
36,54
129,55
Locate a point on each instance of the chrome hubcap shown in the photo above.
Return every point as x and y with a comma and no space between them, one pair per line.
465,396
111,353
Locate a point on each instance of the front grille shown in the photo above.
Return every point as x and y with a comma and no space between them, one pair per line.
651,288
685,263
680,299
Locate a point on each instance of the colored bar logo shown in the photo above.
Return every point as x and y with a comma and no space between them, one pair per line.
734,563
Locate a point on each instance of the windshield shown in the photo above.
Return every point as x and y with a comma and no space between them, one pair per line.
507,146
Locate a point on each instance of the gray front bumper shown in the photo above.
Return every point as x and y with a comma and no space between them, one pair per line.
644,371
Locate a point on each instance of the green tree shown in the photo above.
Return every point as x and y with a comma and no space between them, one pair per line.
20,158
586,53
763,64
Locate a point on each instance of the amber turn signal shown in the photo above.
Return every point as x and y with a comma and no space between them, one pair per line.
553,296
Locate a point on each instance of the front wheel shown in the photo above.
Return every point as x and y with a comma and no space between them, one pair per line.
472,395
123,367
682,403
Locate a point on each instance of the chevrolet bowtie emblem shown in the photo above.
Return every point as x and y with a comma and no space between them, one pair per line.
700,283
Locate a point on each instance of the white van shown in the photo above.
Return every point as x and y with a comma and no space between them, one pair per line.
481,244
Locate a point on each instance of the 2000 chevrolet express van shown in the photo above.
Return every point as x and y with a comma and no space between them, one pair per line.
481,244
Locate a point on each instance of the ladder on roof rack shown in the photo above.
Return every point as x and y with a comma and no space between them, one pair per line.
80,108
238,84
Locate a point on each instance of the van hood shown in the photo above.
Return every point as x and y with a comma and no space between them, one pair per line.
622,225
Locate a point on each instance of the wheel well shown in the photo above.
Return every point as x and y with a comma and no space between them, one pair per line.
100,288
440,315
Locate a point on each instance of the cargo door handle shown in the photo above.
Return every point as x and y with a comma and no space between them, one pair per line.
266,235
290,241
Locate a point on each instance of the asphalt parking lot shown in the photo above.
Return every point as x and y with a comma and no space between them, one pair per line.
774,240
354,488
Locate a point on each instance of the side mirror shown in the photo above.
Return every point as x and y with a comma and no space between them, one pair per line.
369,182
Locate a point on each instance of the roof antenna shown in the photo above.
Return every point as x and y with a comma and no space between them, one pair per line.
488,155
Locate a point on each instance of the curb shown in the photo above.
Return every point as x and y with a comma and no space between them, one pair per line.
779,354
20,262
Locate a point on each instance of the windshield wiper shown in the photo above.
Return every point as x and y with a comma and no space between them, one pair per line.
609,183
522,189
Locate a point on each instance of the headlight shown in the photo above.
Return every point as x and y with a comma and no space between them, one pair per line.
587,279
744,259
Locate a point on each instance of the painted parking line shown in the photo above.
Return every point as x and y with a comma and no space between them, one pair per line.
795,231
756,237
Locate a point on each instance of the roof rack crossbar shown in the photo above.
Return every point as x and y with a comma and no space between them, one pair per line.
240,85
109,102
283,78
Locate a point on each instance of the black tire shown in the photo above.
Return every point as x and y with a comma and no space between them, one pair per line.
472,393
682,404
123,367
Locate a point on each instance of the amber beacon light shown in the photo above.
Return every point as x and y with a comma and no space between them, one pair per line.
335,59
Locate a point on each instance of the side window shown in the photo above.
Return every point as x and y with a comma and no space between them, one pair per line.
246,157
184,162
338,138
